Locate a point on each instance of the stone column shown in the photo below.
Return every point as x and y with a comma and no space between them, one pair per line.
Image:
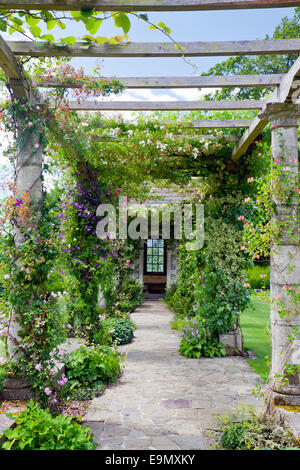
29,167
285,254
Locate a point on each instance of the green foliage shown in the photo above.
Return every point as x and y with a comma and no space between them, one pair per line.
259,277
93,363
245,430
122,329
37,429
199,342
264,64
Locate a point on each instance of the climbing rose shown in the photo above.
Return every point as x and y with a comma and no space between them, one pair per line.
47,391
30,124
38,367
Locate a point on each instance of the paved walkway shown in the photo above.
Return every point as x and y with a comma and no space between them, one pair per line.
163,400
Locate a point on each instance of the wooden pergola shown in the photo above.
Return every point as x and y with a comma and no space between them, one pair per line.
281,109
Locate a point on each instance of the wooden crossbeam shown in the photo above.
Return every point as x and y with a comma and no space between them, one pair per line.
165,105
177,82
10,67
227,138
281,95
152,49
146,5
220,124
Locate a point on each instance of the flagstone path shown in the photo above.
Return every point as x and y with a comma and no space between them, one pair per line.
164,401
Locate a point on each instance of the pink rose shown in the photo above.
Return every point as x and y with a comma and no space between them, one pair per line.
47,391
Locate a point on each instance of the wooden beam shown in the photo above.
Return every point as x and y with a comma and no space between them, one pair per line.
165,105
283,94
211,81
146,5
152,49
220,124
10,67
227,138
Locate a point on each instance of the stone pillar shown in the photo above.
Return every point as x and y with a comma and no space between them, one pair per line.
285,254
29,167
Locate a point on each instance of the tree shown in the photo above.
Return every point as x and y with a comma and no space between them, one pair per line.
267,64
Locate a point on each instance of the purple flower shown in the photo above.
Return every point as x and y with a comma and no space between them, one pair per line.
18,202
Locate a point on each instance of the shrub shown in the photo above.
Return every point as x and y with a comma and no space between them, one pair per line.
93,363
37,429
198,341
259,277
245,430
131,295
121,329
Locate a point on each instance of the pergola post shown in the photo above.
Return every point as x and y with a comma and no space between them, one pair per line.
285,255
29,188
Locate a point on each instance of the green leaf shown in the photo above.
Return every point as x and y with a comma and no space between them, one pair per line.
75,14
35,31
32,21
122,21
92,25
88,38
48,37
70,40
86,13
101,40
51,24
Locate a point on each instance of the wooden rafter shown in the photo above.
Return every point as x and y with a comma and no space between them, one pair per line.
283,94
227,138
146,5
10,67
152,49
211,81
220,124
165,105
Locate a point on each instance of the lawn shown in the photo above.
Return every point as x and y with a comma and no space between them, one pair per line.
255,327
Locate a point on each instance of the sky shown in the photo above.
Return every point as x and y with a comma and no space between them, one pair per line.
185,26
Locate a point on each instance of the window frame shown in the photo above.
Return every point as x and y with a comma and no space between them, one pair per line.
146,272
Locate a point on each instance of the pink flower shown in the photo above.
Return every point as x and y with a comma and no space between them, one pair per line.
241,217
36,146
69,326
47,391
246,284
287,287
277,161
38,367
250,180
262,275
247,199
259,154
38,108
10,155
6,276
293,160
30,124
258,201
127,264
243,247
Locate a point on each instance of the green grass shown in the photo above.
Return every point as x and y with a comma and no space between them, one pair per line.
255,323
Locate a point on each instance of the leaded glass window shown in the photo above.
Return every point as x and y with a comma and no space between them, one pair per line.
155,257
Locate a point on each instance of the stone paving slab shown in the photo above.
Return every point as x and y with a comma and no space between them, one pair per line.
163,400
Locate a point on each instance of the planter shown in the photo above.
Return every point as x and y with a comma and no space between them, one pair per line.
232,341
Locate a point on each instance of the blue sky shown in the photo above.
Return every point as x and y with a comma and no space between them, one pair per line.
188,26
